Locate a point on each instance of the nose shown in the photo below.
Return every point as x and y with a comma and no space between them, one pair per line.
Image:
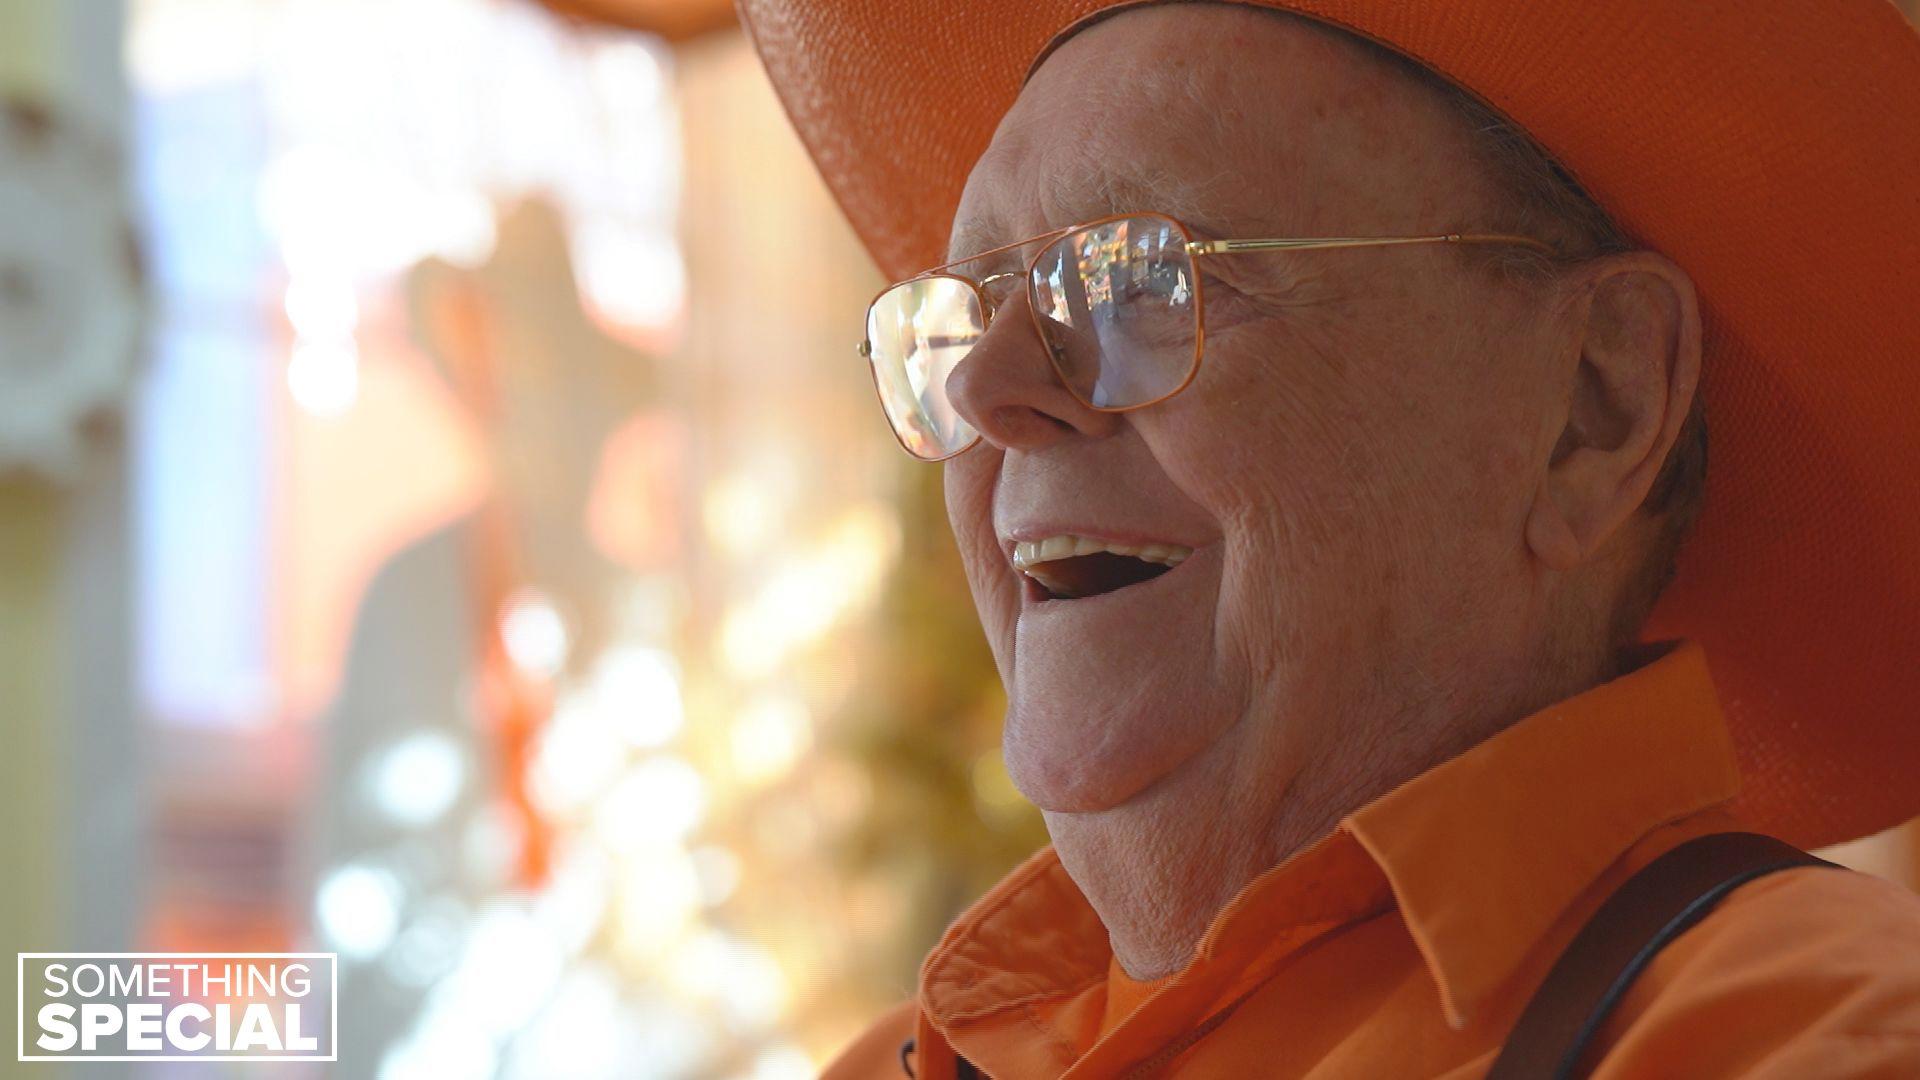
1007,389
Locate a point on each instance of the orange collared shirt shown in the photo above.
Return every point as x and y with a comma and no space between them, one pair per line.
1405,942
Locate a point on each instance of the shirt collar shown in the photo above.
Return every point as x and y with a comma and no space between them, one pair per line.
1482,854
1486,851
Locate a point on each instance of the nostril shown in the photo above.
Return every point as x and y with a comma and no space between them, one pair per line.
1020,420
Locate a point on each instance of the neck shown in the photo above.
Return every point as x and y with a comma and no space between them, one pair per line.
1161,866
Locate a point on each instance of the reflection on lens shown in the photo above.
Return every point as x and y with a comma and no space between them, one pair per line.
1115,304
917,332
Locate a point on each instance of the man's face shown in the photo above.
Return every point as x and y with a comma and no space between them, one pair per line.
1350,469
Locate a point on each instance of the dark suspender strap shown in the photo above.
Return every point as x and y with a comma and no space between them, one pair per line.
967,1070
1653,907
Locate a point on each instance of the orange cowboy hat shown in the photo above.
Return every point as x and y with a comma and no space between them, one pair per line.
1771,149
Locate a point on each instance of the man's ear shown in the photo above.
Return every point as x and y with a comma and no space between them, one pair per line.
1637,323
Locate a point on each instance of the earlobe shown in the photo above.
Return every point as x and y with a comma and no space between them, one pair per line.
1548,534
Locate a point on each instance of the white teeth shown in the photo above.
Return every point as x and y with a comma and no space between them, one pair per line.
1029,556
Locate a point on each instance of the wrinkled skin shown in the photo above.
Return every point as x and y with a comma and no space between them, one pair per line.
1410,482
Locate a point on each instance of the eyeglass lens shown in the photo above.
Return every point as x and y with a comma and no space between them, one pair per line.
917,333
1115,304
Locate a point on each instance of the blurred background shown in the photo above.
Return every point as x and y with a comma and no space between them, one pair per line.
443,520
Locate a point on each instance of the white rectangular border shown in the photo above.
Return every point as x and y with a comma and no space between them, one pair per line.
20,1008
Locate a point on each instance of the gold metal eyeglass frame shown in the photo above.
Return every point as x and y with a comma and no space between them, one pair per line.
1195,249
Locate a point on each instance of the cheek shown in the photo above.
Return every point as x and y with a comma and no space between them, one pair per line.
1324,483
1270,442
969,491
970,481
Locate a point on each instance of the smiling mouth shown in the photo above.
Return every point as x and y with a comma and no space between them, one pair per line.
1069,567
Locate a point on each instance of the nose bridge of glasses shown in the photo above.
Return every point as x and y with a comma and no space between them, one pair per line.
991,292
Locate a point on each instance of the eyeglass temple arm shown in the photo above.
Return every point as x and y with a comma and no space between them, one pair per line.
1229,247
1232,247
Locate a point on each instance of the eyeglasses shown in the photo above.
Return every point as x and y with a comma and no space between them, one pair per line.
1117,302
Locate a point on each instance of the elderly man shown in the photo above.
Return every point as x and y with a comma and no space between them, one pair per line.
1318,447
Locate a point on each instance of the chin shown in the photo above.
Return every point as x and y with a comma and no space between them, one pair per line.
1079,759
